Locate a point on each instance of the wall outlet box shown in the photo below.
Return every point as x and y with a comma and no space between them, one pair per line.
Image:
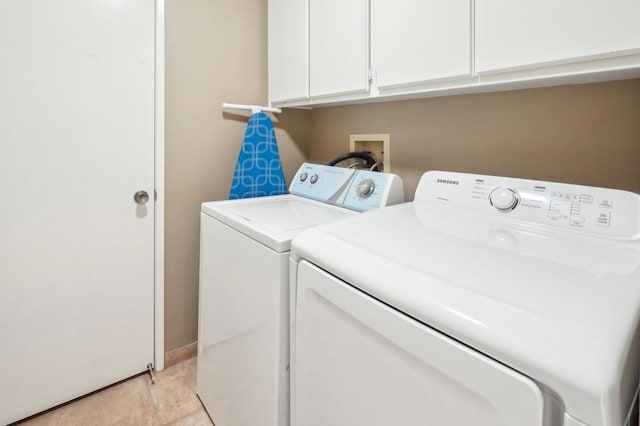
379,145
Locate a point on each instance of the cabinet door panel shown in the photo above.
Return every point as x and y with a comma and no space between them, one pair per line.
518,33
338,46
415,41
288,50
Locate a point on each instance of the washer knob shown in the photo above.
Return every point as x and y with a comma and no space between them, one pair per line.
303,176
365,188
313,179
504,199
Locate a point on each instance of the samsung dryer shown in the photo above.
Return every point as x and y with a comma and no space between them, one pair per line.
243,341
486,301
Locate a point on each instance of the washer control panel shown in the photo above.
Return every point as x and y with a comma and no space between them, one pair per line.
366,188
358,190
608,212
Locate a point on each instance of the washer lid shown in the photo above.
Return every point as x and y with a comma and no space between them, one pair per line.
560,307
273,221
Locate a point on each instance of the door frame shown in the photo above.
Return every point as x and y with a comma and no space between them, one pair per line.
159,149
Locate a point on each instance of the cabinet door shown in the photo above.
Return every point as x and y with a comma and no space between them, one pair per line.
516,34
339,44
288,50
414,41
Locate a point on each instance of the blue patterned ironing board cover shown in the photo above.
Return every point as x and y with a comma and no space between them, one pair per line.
258,169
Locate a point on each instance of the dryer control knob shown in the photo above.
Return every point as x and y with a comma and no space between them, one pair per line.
313,179
504,199
365,188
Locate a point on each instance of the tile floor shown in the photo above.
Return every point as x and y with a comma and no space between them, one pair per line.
171,400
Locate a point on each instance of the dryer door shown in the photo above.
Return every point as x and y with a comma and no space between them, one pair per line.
359,362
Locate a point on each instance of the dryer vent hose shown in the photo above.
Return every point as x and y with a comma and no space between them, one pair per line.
367,160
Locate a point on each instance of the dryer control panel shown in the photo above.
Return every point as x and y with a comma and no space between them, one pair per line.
358,190
607,212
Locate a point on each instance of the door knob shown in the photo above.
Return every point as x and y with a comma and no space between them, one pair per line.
141,197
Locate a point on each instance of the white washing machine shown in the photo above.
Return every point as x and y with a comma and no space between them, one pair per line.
486,301
243,324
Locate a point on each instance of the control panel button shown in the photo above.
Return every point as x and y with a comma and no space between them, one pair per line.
366,188
604,219
314,179
504,199
303,176
577,220
554,215
606,204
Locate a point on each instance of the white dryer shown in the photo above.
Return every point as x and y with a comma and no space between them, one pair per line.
486,301
243,340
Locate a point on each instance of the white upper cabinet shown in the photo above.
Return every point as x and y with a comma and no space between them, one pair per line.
288,50
516,34
339,46
418,41
327,51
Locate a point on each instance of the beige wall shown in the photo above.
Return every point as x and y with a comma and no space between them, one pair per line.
586,134
215,52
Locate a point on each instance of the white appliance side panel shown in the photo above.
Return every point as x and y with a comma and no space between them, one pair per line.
359,362
76,251
242,374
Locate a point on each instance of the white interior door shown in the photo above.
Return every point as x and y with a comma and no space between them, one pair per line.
76,251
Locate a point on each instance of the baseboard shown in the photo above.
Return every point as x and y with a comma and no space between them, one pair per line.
176,356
